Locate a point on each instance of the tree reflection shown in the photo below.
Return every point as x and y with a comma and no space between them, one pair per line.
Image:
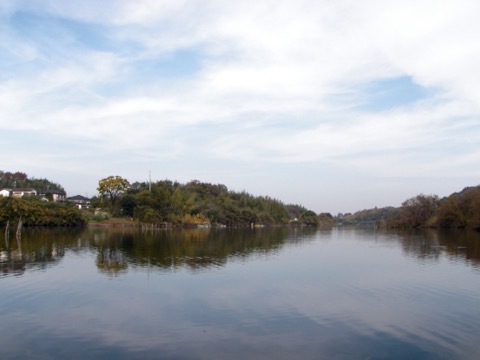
111,261
117,250
35,249
431,244
195,249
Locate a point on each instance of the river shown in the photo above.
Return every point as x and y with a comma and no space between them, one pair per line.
240,294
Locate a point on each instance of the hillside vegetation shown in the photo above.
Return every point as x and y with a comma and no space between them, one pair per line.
35,211
18,179
197,203
459,210
203,204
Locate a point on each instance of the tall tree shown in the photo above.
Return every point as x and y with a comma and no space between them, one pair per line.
418,210
111,188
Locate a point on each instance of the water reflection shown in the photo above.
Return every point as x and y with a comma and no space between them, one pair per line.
195,249
265,293
431,245
37,249
200,249
117,249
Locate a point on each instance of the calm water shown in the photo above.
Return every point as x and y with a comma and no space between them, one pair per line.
256,294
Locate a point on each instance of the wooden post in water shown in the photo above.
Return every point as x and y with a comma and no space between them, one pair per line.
7,234
7,230
19,228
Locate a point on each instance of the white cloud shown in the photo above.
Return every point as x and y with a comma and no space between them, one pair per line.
274,82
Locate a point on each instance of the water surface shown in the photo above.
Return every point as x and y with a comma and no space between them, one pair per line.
236,294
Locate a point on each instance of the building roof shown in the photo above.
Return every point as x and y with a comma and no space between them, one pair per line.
53,191
78,197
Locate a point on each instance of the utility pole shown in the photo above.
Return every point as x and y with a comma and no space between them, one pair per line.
150,181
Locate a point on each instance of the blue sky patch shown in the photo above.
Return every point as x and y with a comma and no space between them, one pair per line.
391,93
56,31
183,62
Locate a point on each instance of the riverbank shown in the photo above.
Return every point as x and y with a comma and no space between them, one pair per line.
114,222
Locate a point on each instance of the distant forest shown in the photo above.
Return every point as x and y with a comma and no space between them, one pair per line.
198,203
459,210
12,180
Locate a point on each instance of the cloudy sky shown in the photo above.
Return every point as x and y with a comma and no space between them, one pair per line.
338,105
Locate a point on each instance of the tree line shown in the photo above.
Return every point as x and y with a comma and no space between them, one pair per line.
200,203
459,210
33,211
18,179
195,203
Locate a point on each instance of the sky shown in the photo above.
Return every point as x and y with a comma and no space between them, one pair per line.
337,105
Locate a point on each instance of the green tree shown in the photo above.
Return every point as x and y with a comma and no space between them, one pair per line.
326,220
111,188
309,218
461,210
417,211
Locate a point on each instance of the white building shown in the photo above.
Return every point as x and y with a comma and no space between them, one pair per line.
5,192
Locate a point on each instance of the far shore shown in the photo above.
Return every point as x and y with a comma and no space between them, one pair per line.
115,222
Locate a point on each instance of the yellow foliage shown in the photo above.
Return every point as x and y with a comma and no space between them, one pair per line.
197,219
